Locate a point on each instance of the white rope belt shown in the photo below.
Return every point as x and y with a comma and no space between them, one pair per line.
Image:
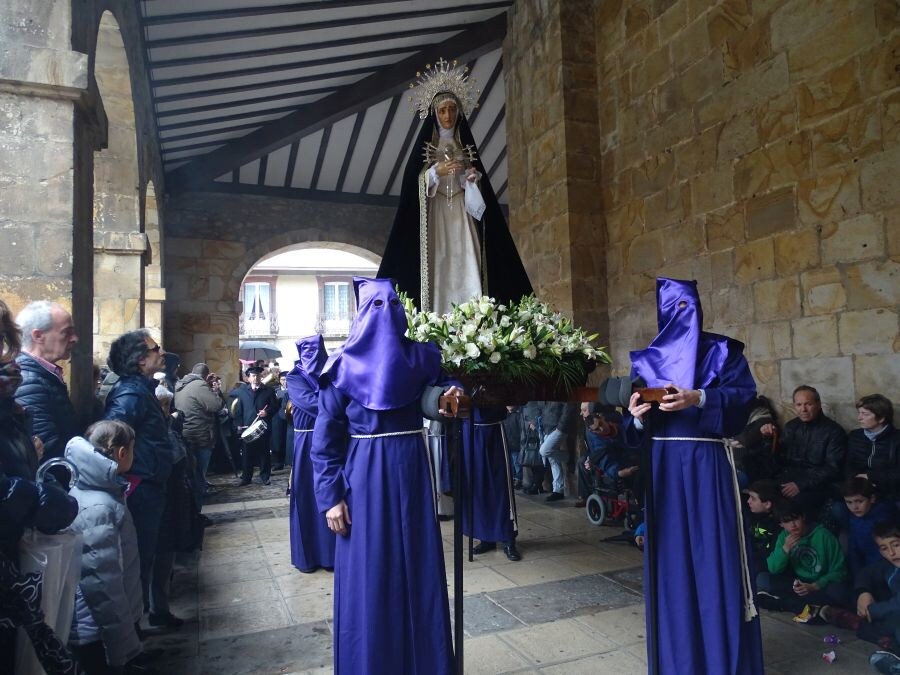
750,611
488,424
390,433
689,438
302,431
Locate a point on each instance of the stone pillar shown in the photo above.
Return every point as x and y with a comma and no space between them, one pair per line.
118,271
552,123
49,126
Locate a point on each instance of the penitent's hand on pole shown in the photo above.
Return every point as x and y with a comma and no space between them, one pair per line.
455,403
681,399
338,518
637,408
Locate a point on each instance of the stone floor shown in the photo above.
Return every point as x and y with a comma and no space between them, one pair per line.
573,605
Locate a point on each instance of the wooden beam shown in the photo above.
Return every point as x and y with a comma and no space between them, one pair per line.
320,158
279,67
266,84
479,39
328,24
355,42
351,146
379,144
302,193
292,161
242,12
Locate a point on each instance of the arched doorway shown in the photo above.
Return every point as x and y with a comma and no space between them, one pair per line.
119,242
154,293
301,290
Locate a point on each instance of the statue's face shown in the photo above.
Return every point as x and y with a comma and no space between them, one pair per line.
447,112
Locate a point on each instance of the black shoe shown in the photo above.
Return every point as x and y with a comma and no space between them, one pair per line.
533,490
168,620
555,496
278,467
206,521
517,485
512,553
242,483
768,601
484,547
264,481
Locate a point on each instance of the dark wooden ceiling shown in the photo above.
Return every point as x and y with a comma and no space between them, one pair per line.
309,99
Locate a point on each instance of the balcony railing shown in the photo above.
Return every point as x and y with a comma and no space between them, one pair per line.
333,327
258,327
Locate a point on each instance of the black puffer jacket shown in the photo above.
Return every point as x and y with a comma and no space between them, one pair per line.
880,458
133,401
46,399
813,452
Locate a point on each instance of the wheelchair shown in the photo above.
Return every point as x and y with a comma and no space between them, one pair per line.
612,500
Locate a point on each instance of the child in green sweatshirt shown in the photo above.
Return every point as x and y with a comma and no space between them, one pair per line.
806,567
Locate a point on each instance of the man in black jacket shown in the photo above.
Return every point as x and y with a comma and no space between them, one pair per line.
255,401
813,451
48,336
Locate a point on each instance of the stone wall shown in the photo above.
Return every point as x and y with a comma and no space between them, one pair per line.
212,241
554,159
52,121
753,146
749,144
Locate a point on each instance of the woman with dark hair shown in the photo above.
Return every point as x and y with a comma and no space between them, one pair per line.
450,241
873,450
134,357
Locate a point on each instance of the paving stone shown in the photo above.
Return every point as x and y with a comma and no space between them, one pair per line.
548,602
242,618
292,648
481,615
631,578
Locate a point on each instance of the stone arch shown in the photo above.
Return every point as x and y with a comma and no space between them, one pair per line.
154,291
204,273
120,244
297,240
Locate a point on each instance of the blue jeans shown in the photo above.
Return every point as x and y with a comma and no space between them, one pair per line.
553,449
201,464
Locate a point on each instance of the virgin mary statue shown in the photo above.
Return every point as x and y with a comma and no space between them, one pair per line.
450,241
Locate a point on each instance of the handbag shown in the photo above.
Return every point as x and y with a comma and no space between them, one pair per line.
56,558
53,564
530,454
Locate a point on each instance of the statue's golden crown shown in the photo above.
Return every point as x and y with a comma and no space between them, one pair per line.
443,76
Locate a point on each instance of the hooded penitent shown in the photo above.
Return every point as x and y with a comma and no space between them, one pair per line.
378,366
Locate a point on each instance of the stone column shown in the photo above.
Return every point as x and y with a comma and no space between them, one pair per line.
553,137
49,126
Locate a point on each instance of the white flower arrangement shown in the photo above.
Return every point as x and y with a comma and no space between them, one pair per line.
523,342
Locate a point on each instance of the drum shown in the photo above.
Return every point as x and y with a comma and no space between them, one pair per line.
254,431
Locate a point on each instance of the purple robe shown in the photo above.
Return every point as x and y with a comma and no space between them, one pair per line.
312,543
493,500
693,546
391,613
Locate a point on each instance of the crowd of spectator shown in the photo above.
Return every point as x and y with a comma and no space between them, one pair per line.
822,503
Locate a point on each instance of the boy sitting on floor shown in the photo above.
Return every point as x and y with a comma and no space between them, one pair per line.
762,496
878,602
862,511
806,567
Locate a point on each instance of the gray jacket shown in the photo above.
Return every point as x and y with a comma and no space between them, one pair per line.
199,404
556,415
109,600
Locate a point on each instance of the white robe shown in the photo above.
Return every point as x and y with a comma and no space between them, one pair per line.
453,246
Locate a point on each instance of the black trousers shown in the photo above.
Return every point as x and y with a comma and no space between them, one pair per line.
255,453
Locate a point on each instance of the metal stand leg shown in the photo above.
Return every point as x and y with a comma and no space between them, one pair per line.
454,446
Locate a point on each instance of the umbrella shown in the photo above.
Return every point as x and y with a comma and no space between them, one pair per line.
253,350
